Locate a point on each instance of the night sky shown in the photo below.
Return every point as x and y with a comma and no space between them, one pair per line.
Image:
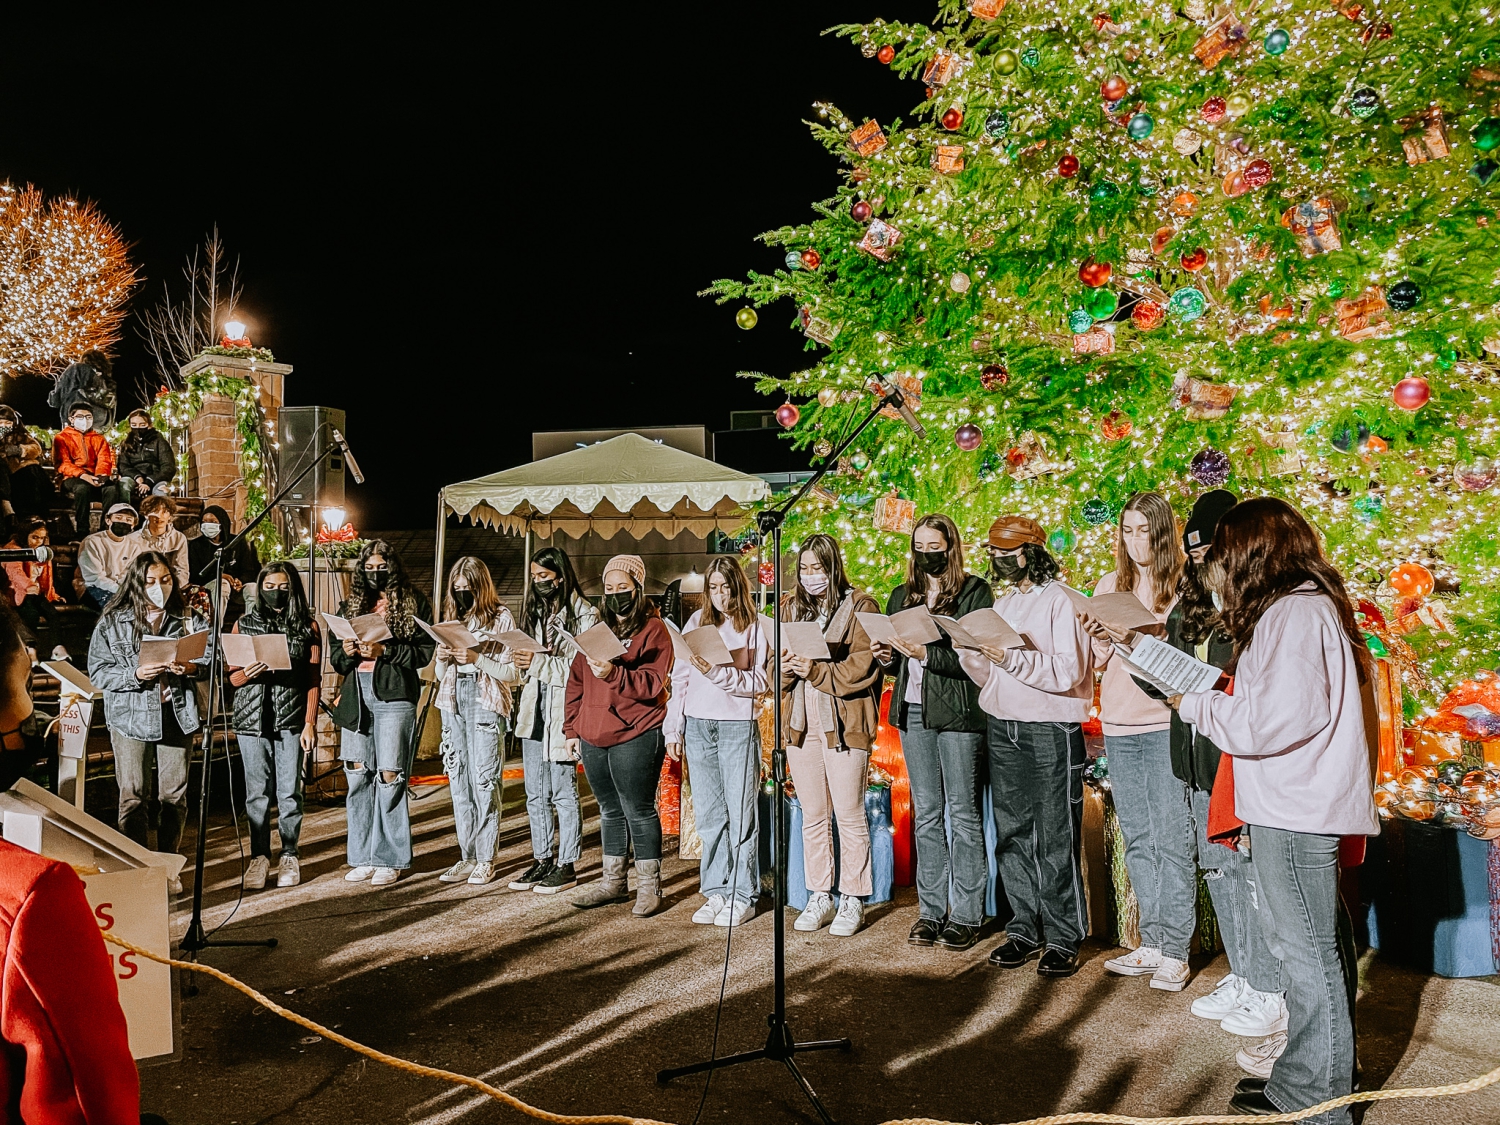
457,231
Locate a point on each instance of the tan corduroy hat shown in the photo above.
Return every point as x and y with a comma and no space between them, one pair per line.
1010,532
628,564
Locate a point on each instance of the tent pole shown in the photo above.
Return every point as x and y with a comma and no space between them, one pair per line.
437,557
526,556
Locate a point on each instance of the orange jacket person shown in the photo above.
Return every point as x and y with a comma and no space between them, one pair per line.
85,467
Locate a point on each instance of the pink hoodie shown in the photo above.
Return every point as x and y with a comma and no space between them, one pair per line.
1123,707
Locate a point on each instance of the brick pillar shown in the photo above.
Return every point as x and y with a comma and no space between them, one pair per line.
270,379
215,470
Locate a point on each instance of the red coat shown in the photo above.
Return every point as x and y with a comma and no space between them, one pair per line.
74,454
633,700
64,1053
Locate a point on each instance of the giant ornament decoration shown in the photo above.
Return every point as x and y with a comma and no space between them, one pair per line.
1411,580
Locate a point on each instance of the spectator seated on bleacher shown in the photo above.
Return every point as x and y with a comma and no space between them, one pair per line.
104,555
25,486
160,534
146,463
85,467
32,591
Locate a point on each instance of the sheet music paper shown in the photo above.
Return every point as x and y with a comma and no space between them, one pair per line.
981,627
598,643
911,627
270,649
451,634
1122,609
1169,670
805,639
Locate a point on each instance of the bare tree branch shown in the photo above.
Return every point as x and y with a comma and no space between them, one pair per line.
176,332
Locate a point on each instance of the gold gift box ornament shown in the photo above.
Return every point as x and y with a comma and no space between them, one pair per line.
1363,317
986,9
941,69
1204,401
1424,136
867,139
1227,36
880,240
894,514
948,159
1316,225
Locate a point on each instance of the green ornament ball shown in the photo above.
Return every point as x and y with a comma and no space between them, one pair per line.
1031,57
1369,506
1188,303
746,318
1095,512
1147,185
1277,42
793,260
1376,646
1336,288
860,460
997,124
1363,102
1140,126
1101,303
1006,61
1486,135
1080,321
1061,541
1446,358
1104,189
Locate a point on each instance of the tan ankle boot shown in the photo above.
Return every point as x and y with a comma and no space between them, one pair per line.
648,898
612,886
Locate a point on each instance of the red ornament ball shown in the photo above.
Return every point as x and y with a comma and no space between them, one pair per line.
1257,173
1147,315
860,211
1195,260
787,414
886,54
967,437
1215,109
993,375
1067,167
1411,393
1114,88
1411,580
953,118
1384,31
1161,238
811,259
1094,274
766,572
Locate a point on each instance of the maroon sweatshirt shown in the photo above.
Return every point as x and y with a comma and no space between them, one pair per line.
633,700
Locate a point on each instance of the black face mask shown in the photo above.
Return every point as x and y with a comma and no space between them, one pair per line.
15,763
274,600
545,589
620,604
931,562
377,579
121,528
1006,568
463,601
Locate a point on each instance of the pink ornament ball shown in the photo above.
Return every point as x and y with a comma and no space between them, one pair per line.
787,414
1411,393
968,436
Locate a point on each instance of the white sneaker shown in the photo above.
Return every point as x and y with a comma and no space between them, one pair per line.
1138,963
255,874
1225,998
359,874
483,873
289,872
1261,1058
458,872
736,912
709,911
1259,1014
174,885
850,919
818,913
1172,976
384,876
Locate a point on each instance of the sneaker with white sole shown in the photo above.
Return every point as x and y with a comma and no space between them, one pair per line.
817,914
384,876
850,918
458,872
1172,975
255,874
1140,962
359,874
1260,1059
289,871
706,913
735,913
1227,995
174,885
532,875
483,873
1259,1014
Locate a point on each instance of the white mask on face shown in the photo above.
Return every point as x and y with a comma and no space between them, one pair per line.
158,595
815,584
83,425
209,529
720,599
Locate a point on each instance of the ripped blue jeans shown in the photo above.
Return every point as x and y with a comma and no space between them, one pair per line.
471,755
376,766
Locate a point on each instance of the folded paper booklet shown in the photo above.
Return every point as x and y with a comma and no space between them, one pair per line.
1122,610
517,641
269,649
599,644
173,650
451,634
72,679
983,627
911,627
1169,670
366,630
681,650
706,642
805,639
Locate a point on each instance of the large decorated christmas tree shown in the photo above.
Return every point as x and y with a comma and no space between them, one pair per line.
1152,246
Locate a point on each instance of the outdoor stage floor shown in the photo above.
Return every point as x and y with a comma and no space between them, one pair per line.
575,1011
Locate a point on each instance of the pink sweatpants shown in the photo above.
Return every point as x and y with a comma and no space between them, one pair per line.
831,785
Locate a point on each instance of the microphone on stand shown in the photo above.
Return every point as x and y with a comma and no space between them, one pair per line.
26,554
338,440
898,400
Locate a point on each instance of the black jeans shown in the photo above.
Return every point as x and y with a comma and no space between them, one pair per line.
37,612
623,779
1036,779
83,494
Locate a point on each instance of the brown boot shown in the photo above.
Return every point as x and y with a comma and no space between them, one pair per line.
648,898
612,886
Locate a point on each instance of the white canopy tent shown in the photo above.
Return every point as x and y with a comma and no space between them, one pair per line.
628,483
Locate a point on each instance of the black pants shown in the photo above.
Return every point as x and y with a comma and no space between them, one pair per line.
623,779
31,492
37,612
83,493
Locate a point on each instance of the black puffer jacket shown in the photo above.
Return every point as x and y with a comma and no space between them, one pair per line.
288,689
147,455
1195,759
950,700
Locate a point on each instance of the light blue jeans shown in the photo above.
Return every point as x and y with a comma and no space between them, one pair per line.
273,771
723,760
376,811
471,755
1157,822
1298,876
1232,885
944,770
551,785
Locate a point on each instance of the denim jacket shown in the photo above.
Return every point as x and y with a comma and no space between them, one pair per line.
131,706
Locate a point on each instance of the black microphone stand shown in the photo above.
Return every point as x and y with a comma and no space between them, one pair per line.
195,939
781,1046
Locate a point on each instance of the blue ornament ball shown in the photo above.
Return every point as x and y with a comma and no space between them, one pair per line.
997,124
1080,321
793,260
1188,303
1140,126
1369,506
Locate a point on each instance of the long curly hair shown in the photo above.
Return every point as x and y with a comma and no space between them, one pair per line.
1200,617
400,598
130,598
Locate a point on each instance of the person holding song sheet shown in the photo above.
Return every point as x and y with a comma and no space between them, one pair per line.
711,716
935,706
274,657
1295,729
1036,695
377,707
830,687
1154,816
553,613
149,703
474,681
614,705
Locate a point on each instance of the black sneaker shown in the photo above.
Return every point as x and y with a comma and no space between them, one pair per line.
925,932
532,876
1014,953
1057,963
557,879
958,937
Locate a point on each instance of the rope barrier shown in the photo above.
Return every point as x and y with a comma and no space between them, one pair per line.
516,1103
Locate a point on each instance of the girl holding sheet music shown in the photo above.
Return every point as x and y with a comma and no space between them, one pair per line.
377,707
275,718
830,712
935,706
474,698
150,709
1155,820
711,716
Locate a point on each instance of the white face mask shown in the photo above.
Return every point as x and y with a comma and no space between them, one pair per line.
83,425
158,594
815,584
721,600
209,529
